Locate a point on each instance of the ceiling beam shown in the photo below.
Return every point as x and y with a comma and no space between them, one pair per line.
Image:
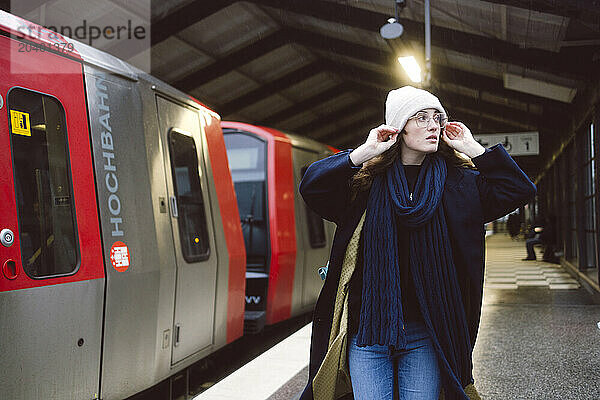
353,133
445,38
439,72
496,87
271,88
554,113
482,122
361,89
263,46
317,99
343,47
570,9
470,80
186,16
231,61
304,105
508,114
327,117
555,118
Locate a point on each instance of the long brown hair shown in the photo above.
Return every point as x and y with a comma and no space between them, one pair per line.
362,180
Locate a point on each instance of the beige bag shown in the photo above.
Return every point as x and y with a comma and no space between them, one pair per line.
332,380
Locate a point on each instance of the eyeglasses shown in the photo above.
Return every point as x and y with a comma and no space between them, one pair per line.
422,119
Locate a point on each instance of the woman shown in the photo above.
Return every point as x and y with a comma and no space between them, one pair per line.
410,216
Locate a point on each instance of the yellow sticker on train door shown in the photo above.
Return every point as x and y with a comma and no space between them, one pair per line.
19,122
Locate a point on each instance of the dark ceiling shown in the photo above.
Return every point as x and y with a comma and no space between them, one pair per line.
319,68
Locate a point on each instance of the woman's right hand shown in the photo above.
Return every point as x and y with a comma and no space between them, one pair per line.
379,140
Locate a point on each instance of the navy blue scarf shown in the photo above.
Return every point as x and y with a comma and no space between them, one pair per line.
389,208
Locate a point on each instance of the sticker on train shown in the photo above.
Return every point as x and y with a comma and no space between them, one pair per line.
19,122
119,256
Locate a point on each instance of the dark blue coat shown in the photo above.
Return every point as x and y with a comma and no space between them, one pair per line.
471,198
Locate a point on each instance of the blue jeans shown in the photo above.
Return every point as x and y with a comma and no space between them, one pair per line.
529,243
372,368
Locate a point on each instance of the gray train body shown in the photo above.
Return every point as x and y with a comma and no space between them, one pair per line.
150,304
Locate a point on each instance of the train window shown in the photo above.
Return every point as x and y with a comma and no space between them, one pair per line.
43,187
247,162
316,226
193,231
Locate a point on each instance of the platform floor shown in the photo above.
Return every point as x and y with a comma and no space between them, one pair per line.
539,338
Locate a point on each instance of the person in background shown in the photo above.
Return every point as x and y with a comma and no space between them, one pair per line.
514,225
549,240
542,234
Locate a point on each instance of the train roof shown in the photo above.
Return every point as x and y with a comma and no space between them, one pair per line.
82,52
295,140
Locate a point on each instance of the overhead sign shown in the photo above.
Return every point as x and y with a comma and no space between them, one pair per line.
516,144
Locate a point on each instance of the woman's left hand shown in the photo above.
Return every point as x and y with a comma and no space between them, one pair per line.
459,137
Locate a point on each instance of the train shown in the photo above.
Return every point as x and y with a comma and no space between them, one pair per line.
266,167
140,233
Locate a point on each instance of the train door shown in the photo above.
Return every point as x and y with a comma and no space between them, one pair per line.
247,156
312,233
51,279
192,229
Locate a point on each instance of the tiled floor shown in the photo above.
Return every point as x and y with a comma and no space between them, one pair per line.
535,342
505,268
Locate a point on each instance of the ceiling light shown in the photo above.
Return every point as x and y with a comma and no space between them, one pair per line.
539,88
393,29
411,67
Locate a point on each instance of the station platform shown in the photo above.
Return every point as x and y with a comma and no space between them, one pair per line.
539,338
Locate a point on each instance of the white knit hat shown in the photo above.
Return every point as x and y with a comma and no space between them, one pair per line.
403,103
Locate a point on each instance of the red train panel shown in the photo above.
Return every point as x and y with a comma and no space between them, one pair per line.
231,226
63,78
282,226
